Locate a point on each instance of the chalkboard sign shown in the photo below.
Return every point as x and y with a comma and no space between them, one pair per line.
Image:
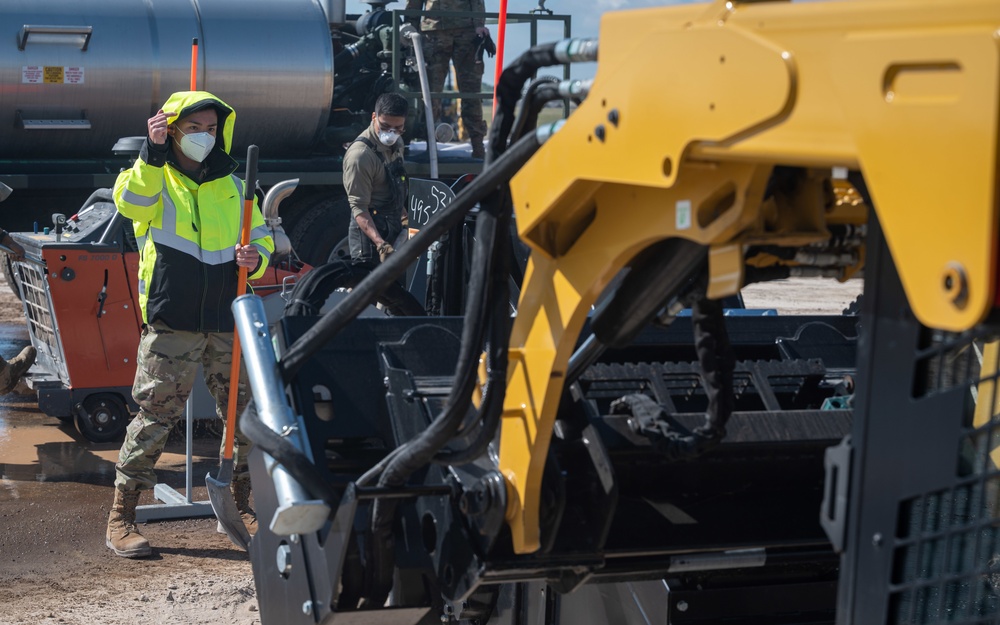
427,199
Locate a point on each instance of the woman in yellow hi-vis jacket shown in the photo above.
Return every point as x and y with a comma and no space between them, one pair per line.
185,204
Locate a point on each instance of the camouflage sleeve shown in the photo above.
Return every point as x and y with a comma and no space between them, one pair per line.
480,7
414,5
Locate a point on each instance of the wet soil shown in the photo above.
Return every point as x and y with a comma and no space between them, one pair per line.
56,489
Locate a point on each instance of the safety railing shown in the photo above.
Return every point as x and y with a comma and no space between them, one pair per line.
532,19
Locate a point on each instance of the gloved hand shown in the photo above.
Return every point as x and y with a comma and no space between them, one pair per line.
385,251
484,43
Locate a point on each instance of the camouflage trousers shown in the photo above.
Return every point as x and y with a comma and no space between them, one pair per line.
166,369
458,45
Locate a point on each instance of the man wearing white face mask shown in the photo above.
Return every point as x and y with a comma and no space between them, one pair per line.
376,185
185,204
376,182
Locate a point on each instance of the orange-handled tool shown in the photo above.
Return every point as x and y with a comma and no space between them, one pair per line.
241,289
218,489
194,64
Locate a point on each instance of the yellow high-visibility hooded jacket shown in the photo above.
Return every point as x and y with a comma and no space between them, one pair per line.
186,231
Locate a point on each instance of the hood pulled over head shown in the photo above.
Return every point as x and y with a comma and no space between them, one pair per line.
184,103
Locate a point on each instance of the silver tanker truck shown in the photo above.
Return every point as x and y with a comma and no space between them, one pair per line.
79,79
77,76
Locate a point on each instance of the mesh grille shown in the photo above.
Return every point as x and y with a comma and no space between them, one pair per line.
946,555
38,312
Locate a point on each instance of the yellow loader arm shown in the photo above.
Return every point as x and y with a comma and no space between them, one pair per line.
692,108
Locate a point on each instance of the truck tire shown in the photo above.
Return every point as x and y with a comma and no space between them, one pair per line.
316,222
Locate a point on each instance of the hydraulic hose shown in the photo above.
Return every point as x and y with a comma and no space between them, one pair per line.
540,92
716,359
285,454
367,291
535,96
419,452
660,273
508,90
496,362
491,405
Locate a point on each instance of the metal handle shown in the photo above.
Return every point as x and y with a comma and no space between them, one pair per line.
52,124
296,512
26,259
79,35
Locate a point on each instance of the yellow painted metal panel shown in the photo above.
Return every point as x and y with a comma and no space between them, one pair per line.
691,108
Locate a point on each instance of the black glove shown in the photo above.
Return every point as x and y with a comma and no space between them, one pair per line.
484,43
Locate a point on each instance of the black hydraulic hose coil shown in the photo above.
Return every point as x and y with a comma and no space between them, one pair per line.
540,91
491,406
421,451
717,362
508,92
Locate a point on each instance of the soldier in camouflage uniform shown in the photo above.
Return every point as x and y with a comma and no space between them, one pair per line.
185,205
455,39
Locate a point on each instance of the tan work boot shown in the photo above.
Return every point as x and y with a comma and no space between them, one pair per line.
241,493
12,370
123,537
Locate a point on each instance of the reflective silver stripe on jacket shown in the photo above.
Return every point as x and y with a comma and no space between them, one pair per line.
140,200
168,237
259,233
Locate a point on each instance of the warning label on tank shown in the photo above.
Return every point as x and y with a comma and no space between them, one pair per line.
73,75
51,74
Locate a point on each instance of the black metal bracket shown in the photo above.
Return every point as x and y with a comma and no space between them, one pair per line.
836,493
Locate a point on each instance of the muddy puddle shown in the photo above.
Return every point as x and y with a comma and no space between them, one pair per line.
37,448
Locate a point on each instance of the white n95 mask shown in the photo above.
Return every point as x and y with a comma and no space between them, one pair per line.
388,137
197,145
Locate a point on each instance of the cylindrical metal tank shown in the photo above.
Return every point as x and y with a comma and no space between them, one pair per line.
75,75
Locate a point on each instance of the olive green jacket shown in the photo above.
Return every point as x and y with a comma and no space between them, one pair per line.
364,174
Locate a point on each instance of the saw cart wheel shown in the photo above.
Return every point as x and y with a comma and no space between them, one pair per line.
102,417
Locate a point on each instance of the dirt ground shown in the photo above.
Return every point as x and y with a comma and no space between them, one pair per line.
56,489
